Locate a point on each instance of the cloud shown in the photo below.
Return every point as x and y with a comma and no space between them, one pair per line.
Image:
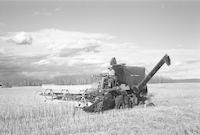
185,62
194,61
20,38
13,66
45,12
2,51
57,52
74,52
60,48
68,43
57,9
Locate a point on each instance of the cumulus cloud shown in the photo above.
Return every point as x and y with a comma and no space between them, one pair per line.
20,38
58,52
64,52
68,43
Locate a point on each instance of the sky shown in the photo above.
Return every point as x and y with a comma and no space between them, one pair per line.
47,39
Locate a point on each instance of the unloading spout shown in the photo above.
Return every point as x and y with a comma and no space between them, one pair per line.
165,59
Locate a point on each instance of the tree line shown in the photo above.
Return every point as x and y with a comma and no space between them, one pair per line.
62,80
67,80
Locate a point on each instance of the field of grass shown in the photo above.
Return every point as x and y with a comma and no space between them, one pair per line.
177,112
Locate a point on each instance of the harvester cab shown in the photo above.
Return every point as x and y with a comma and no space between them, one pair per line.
119,74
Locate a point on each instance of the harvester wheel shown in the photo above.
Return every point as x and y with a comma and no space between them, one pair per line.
83,100
49,94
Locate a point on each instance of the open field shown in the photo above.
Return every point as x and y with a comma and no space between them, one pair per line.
177,111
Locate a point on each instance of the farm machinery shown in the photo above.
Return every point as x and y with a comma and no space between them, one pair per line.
123,87
110,93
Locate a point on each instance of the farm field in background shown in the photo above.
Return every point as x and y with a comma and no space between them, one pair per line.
177,111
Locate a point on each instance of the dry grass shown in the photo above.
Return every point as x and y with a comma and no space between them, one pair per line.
177,111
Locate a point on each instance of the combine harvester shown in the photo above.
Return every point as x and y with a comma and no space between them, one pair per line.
110,93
